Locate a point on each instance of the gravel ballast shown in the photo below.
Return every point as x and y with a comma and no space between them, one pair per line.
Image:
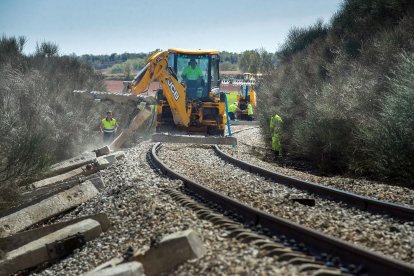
252,149
376,232
141,213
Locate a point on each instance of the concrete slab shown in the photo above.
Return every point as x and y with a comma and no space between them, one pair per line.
47,208
84,170
194,139
172,251
244,123
138,121
41,250
119,155
73,163
124,269
102,151
35,196
111,263
110,157
102,163
98,182
327,272
115,156
17,240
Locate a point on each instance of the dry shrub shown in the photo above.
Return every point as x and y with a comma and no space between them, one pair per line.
42,120
384,144
331,92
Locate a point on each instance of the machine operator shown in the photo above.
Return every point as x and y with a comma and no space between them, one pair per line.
193,78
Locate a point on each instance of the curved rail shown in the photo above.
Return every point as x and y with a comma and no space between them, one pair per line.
354,200
317,243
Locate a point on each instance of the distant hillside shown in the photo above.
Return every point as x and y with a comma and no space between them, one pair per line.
125,66
345,90
104,61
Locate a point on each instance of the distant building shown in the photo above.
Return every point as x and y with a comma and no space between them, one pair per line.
231,74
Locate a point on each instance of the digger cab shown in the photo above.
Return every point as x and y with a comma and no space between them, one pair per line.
198,70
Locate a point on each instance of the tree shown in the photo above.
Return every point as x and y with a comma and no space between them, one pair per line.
228,66
250,61
127,70
255,61
11,48
47,49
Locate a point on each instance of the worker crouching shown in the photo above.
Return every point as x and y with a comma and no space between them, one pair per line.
108,127
232,111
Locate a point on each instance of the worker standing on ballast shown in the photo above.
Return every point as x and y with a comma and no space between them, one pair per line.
108,127
276,131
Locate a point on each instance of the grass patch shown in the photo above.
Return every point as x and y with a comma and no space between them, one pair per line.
231,97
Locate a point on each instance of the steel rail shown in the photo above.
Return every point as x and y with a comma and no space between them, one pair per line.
364,203
316,242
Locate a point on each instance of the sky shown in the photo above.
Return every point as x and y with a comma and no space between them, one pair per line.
133,26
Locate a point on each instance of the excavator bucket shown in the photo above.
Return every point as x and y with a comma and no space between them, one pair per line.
194,139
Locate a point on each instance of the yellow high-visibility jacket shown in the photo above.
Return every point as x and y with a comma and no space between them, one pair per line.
232,108
108,126
276,130
249,109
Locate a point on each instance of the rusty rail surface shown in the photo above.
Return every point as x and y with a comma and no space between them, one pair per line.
353,200
317,243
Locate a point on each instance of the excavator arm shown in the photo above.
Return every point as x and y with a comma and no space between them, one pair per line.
195,115
174,92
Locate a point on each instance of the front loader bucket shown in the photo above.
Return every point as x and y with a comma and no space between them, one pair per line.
194,139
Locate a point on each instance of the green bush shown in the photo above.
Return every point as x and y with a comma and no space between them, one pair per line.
332,89
385,144
299,38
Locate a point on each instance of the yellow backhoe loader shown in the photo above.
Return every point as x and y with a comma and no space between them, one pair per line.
189,101
246,95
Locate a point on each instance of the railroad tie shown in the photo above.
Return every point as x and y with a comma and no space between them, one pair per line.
289,256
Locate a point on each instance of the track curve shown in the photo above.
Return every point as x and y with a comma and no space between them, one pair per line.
316,243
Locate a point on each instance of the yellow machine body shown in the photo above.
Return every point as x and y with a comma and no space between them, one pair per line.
184,106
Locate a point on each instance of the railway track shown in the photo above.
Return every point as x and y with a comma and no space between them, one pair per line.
139,212
133,194
353,200
346,256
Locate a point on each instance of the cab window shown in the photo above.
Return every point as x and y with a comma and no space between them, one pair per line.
195,89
